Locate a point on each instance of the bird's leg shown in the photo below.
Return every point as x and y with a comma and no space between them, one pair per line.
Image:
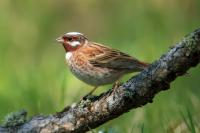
92,90
85,97
116,84
114,87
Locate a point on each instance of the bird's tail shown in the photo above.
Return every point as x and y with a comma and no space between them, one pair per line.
142,65
137,66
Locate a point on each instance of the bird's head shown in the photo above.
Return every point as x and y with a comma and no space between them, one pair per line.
72,41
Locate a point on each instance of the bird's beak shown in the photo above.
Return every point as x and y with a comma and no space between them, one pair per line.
60,40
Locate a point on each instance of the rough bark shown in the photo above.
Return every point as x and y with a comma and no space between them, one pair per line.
136,92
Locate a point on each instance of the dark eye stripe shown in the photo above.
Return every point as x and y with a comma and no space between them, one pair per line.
70,38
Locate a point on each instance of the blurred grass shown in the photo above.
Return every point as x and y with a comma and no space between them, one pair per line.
33,74
190,125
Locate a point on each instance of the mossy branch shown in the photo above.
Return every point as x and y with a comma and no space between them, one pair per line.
136,92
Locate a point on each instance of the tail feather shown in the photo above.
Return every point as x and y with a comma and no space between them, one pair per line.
144,65
139,66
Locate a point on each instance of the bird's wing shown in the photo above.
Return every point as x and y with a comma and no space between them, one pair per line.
112,58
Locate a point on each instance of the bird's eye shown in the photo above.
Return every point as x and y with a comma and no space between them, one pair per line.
70,38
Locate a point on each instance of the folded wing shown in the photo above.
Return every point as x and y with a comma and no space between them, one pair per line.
115,59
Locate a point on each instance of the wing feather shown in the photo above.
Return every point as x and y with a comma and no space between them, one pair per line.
112,58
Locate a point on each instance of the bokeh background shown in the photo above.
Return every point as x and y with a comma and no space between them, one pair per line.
34,76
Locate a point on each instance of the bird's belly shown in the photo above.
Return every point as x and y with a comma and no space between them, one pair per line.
95,76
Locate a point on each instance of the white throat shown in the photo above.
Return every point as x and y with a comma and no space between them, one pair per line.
68,55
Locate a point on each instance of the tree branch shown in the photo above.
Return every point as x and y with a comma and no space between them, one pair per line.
136,92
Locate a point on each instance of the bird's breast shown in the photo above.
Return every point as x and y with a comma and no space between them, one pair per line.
90,74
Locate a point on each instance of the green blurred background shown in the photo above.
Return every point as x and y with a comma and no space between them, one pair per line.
34,76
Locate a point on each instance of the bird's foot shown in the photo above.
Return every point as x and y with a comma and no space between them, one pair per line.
89,94
86,97
115,86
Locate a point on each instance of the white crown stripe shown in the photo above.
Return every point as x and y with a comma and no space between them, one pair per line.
74,33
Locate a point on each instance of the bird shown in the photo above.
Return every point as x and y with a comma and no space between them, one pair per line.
97,64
